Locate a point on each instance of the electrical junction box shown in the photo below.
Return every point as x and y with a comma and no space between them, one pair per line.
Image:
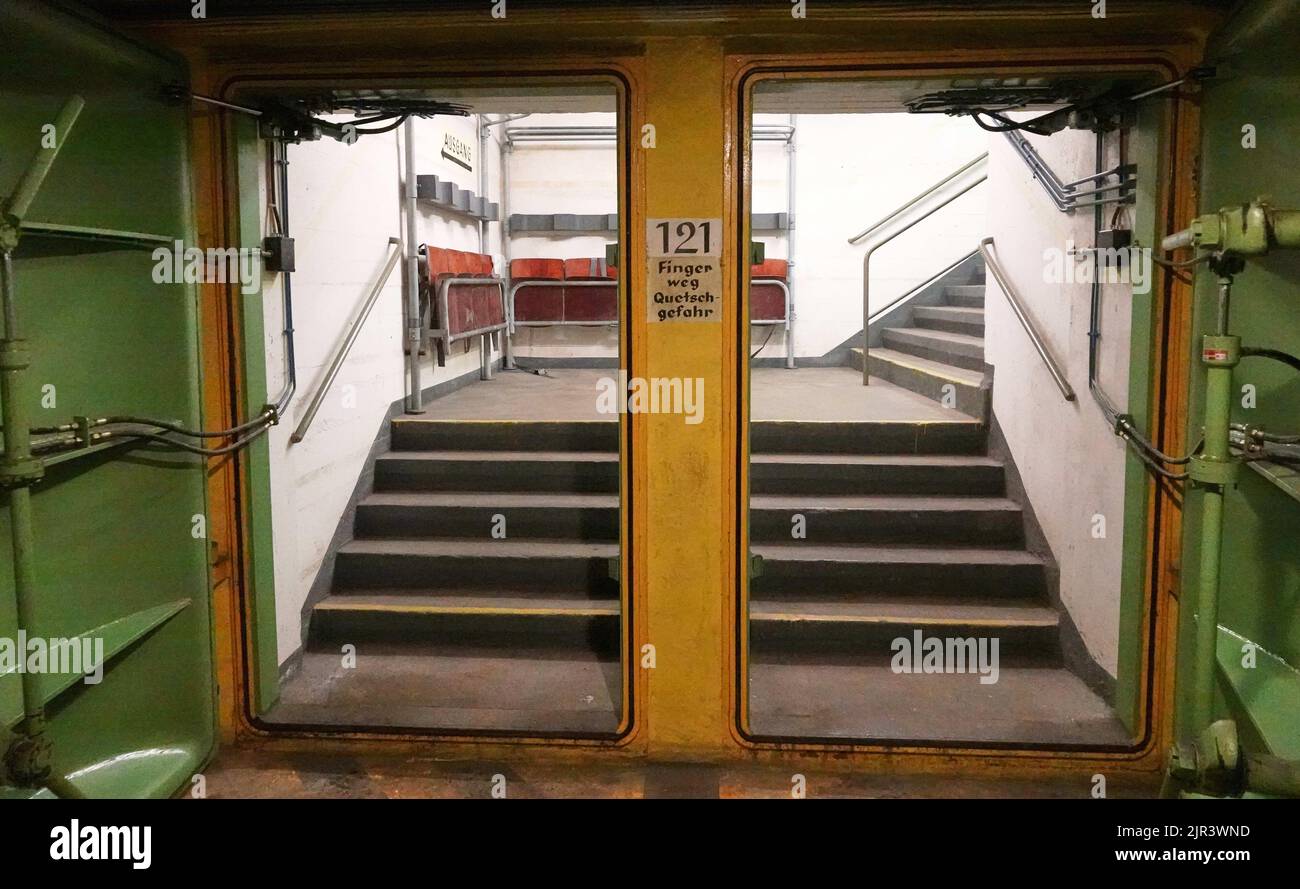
1114,239
277,253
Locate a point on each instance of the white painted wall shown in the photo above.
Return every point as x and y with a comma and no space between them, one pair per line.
345,202
1071,464
852,170
563,177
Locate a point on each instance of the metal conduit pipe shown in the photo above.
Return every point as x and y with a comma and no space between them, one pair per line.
27,757
1103,400
291,365
790,152
508,346
1067,196
415,397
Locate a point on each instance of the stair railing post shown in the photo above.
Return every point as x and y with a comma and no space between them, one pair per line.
981,164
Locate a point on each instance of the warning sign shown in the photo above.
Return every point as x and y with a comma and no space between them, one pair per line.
684,274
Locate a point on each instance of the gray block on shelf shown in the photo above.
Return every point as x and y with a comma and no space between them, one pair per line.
563,222
769,221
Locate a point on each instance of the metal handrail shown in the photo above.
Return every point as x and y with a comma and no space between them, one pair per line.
886,309
983,174
341,354
920,197
1018,308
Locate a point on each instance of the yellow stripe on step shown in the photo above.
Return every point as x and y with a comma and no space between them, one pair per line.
463,610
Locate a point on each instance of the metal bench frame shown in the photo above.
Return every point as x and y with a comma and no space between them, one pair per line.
444,337
787,321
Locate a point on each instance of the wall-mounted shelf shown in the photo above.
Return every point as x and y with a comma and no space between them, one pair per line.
1285,476
769,222
449,196
600,223
563,223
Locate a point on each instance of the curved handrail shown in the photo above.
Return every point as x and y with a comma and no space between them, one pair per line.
982,174
1018,308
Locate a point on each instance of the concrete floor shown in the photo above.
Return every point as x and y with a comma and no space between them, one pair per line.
838,700
267,774
808,393
435,688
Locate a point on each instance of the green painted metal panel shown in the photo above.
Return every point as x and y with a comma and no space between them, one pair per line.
1148,150
1258,85
261,551
114,530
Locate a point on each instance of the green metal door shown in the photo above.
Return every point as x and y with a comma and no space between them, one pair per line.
1250,130
119,552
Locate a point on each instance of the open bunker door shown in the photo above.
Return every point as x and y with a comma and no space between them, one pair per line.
106,652
1239,649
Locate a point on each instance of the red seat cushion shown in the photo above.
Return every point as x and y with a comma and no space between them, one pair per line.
767,301
537,269
538,303
590,304
469,306
770,268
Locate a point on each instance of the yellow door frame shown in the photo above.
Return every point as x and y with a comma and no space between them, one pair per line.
745,73
683,79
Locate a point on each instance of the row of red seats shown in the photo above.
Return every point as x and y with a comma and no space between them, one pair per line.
556,291
546,300
546,296
470,307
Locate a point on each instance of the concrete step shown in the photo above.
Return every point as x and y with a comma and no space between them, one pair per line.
410,434
954,319
959,349
475,564
481,621
914,570
960,387
473,515
867,632
958,436
843,518
556,471
912,474
968,295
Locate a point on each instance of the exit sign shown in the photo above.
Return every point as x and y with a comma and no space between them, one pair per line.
458,151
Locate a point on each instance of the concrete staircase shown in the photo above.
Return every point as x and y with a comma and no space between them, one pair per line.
424,577
937,341
899,535
908,528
